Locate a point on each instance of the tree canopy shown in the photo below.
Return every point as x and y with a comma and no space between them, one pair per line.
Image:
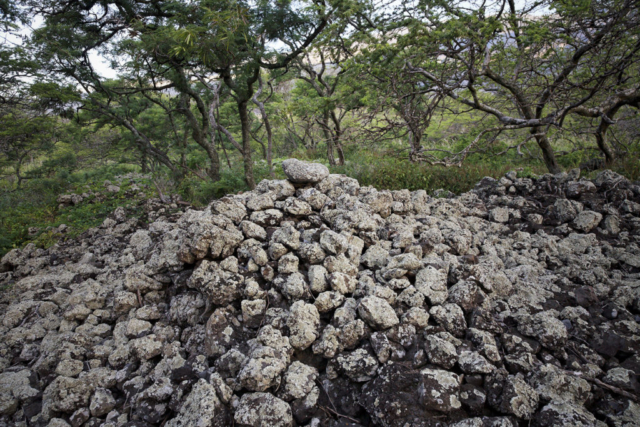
205,83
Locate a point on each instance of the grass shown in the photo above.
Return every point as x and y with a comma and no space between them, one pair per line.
390,173
35,205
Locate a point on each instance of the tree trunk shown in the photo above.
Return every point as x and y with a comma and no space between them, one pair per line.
200,133
143,161
601,136
414,146
18,167
547,152
330,156
337,136
328,138
601,132
214,170
246,144
340,151
268,153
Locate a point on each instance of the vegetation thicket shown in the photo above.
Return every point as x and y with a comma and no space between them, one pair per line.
210,95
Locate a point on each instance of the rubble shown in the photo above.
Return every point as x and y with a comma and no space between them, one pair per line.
314,301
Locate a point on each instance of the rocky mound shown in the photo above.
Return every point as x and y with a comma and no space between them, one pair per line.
315,301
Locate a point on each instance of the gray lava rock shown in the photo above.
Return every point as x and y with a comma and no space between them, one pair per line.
432,283
333,242
201,407
440,390
377,313
545,327
301,172
263,410
303,323
450,317
512,395
587,221
359,365
299,380
102,402
389,307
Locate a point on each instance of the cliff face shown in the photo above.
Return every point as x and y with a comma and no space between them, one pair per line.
314,301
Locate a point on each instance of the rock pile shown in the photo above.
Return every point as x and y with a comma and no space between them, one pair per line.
318,302
133,190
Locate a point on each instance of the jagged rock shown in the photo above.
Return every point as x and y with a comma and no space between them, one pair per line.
301,172
299,380
201,407
564,414
566,210
317,278
512,395
327,301
230,208
253,312
553,385
102,402
268,360
377,313
303,323
296,207
439,390
333,243
263,410
417,317
359,365
288,264
147,347
440,352
253,231
623,378
261,202
499,215
68,394
221,286
375,256
342,283
587,221
15,387
432,283
467,295
293,286
545,327
472,362
222,332
450,317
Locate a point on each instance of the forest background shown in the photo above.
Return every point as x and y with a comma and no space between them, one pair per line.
202,98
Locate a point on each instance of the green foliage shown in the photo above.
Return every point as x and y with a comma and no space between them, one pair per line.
35,205
201,192
385,172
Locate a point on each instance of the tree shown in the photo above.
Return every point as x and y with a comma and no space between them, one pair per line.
125,111
323,96
183,42
605,114
398,102
526,66
32,128
238,50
